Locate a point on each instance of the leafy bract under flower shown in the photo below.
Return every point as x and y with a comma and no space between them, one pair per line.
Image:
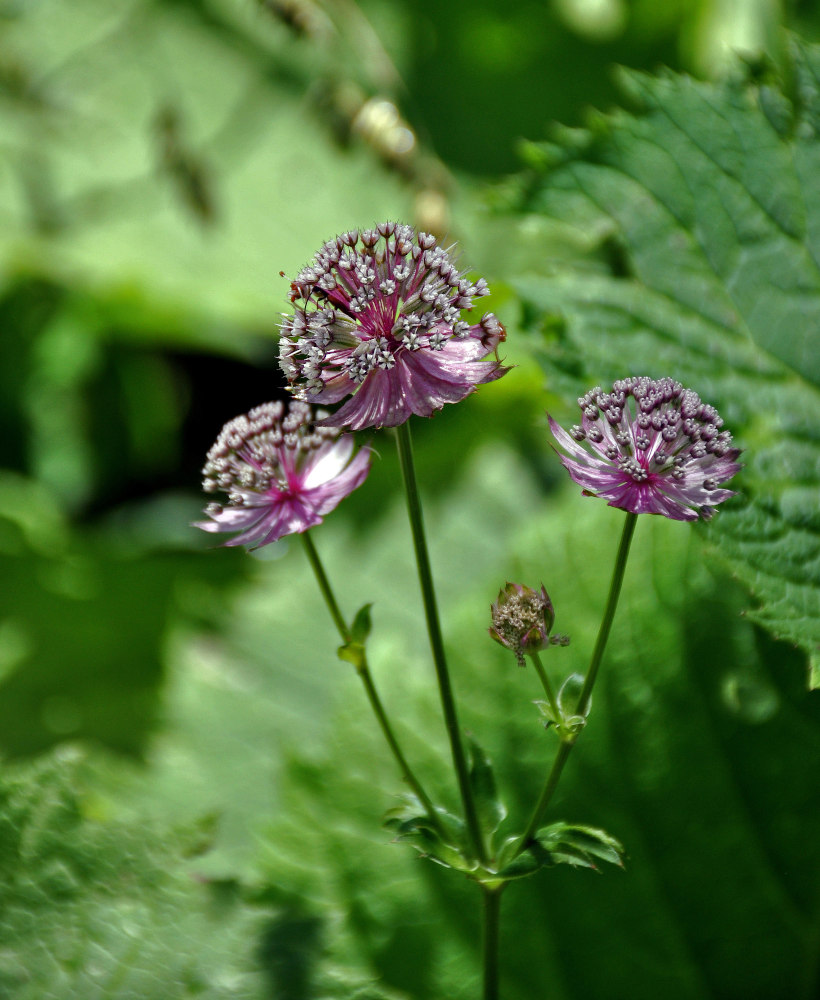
378,318
652,447
282,473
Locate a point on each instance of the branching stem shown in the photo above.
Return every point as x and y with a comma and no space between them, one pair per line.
568,740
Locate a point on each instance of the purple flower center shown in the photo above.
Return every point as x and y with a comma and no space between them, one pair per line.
644,425
261,454
650,446
282,472
366,299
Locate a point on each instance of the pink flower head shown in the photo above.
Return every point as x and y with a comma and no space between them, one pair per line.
523,619
282,473
652,448
378,318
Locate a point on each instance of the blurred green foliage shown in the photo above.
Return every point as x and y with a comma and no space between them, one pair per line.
190,793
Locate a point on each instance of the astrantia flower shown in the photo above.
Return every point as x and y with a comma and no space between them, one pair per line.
522,620
652,448
378,318
281,471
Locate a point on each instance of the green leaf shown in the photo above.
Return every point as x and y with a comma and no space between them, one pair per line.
362,624
352,652
176,213
95,904
574,844
567,701
413,826
546,711
530,861
701,216
561,843
83,624
695,755
491,810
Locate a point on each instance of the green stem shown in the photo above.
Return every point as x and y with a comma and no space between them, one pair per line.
545,684
564,750
436,644
609,613
324,586
491,914
568,741
401,760
363,670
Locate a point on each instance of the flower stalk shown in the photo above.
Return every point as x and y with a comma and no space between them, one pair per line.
491,926
568,739
609,612
324,587
414,510
545,684
363,670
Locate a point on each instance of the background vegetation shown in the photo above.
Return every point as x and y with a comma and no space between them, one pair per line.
191,782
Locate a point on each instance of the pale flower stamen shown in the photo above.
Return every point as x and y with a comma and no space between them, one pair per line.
650,446
378,319
282,470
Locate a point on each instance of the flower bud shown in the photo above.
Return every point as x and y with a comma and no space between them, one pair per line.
522,619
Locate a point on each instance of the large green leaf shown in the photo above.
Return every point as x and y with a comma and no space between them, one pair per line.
702,213
699,756
93,904
695,758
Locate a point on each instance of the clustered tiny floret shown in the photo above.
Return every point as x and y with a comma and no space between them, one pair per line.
522,619
282,472
378,319
652,447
